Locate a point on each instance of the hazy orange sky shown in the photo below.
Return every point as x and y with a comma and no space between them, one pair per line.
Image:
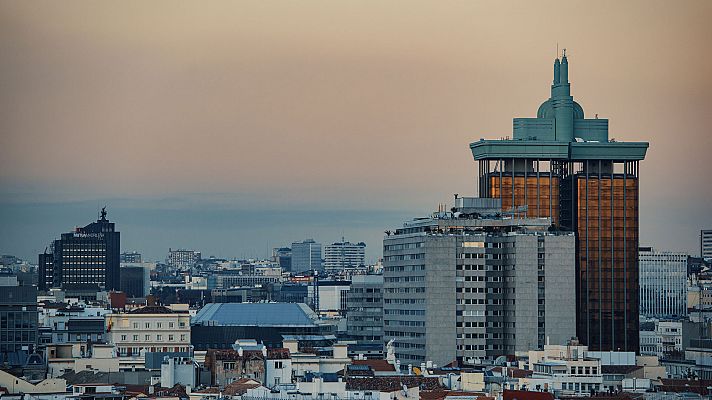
335,106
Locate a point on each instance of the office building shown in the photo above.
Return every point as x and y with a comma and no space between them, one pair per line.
87,257
282,256
472,286
563,166
18,319
331,297
706,244
364,309
131,257
341,255
136,279
306,256
182,259
663,283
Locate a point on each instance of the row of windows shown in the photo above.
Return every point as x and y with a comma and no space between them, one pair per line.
159,325
134,351
403,323
403,345
147,338
405,279
404,268
480,324
406,290
404,301
404,334
368,290
403,257
402,246
404,312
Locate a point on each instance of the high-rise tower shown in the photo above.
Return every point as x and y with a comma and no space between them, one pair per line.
89,256
563,166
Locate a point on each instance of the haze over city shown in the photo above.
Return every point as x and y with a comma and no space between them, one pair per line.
237,127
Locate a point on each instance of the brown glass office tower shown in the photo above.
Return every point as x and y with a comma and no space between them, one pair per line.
562,166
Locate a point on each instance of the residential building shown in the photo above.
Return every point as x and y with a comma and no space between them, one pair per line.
661,338
565,167
148,329
306,256
364,309
130,257
179,370
567,369
182,259
341,255
663,283
706,244
88,257
227,279
471,285
73,323
80,356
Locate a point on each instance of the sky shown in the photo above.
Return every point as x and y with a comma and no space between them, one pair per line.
235,127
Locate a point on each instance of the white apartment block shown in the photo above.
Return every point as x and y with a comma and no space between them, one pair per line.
665,337
663,283
151,328
341,255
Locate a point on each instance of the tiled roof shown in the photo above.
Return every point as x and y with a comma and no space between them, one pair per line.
376,365
277,354
152,310
84,377
240,386
222,355
685,385
392,383
442,394
524,395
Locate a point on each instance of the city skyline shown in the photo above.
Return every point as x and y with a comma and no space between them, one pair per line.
201,129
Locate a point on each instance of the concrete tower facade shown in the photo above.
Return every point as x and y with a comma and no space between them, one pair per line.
563,166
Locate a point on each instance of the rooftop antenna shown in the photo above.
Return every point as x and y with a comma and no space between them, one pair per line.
557,49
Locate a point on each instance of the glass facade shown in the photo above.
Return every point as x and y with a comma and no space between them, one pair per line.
606,223
598,200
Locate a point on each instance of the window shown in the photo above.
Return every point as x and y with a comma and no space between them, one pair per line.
182,338
135,338
159,337
147,337
123,337
148,325
278,365
170,338
135,325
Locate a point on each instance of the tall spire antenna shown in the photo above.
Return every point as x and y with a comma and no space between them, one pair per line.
557,49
